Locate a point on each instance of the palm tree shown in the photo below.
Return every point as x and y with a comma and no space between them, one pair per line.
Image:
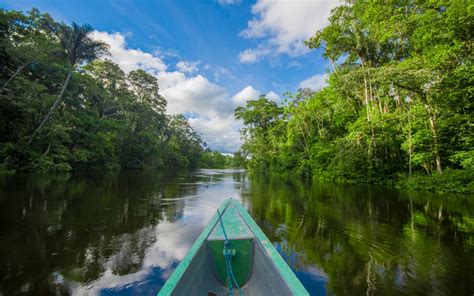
77,47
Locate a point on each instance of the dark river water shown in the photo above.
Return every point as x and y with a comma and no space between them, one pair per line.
125,233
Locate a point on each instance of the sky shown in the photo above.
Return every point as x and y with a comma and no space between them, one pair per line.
210,56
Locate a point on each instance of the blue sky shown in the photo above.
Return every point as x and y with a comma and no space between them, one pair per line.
209,56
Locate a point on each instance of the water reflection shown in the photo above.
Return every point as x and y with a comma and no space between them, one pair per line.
124,233
369,240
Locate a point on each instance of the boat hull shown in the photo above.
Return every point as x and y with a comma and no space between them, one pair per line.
258,267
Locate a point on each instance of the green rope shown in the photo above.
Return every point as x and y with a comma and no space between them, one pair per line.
228,260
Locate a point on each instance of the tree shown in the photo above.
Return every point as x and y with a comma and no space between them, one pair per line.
259,113
77,47
262,130
398,104
110,119
184,141
145,87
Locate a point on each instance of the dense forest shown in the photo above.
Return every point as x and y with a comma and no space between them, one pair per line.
65,106
398,107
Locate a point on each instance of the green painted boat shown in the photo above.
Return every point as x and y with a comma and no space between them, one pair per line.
232,256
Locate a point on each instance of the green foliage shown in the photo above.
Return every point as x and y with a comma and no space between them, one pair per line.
61,109
458,181
398,101
44,164
214,160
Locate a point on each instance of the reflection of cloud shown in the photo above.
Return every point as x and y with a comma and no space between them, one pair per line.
317,273
173,239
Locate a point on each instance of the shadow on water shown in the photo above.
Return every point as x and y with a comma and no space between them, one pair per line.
124,233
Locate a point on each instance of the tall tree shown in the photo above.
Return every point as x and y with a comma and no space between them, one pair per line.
77,47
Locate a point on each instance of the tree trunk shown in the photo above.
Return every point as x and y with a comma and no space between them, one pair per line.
46,152
366,98
333,65
410,143
302,133
15,74
366,91
52,109
434,133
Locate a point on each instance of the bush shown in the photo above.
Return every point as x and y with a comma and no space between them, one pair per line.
455,181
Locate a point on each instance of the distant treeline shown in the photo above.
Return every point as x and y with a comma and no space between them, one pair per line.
62,108
398,108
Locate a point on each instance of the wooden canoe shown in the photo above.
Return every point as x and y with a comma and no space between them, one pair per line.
232,256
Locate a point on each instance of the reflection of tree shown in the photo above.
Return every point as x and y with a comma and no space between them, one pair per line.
370,240
70,229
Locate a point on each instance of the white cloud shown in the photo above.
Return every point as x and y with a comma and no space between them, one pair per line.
193,94
209,103
220,131
250,93
272,96
246,94
248,56
188,66
284,25
253,55
315,82
129,59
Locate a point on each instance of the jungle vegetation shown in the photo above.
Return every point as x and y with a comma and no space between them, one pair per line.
397,109
64,106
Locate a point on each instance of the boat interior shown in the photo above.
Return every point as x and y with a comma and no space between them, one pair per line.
253,269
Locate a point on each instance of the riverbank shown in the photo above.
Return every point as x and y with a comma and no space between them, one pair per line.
450,181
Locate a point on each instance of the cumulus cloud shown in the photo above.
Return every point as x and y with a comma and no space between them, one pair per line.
188,66
272,96
315,82
246,94
282,26
250,93
211,105
193,94
129,59
220,130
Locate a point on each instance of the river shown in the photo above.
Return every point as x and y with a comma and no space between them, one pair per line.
124,233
